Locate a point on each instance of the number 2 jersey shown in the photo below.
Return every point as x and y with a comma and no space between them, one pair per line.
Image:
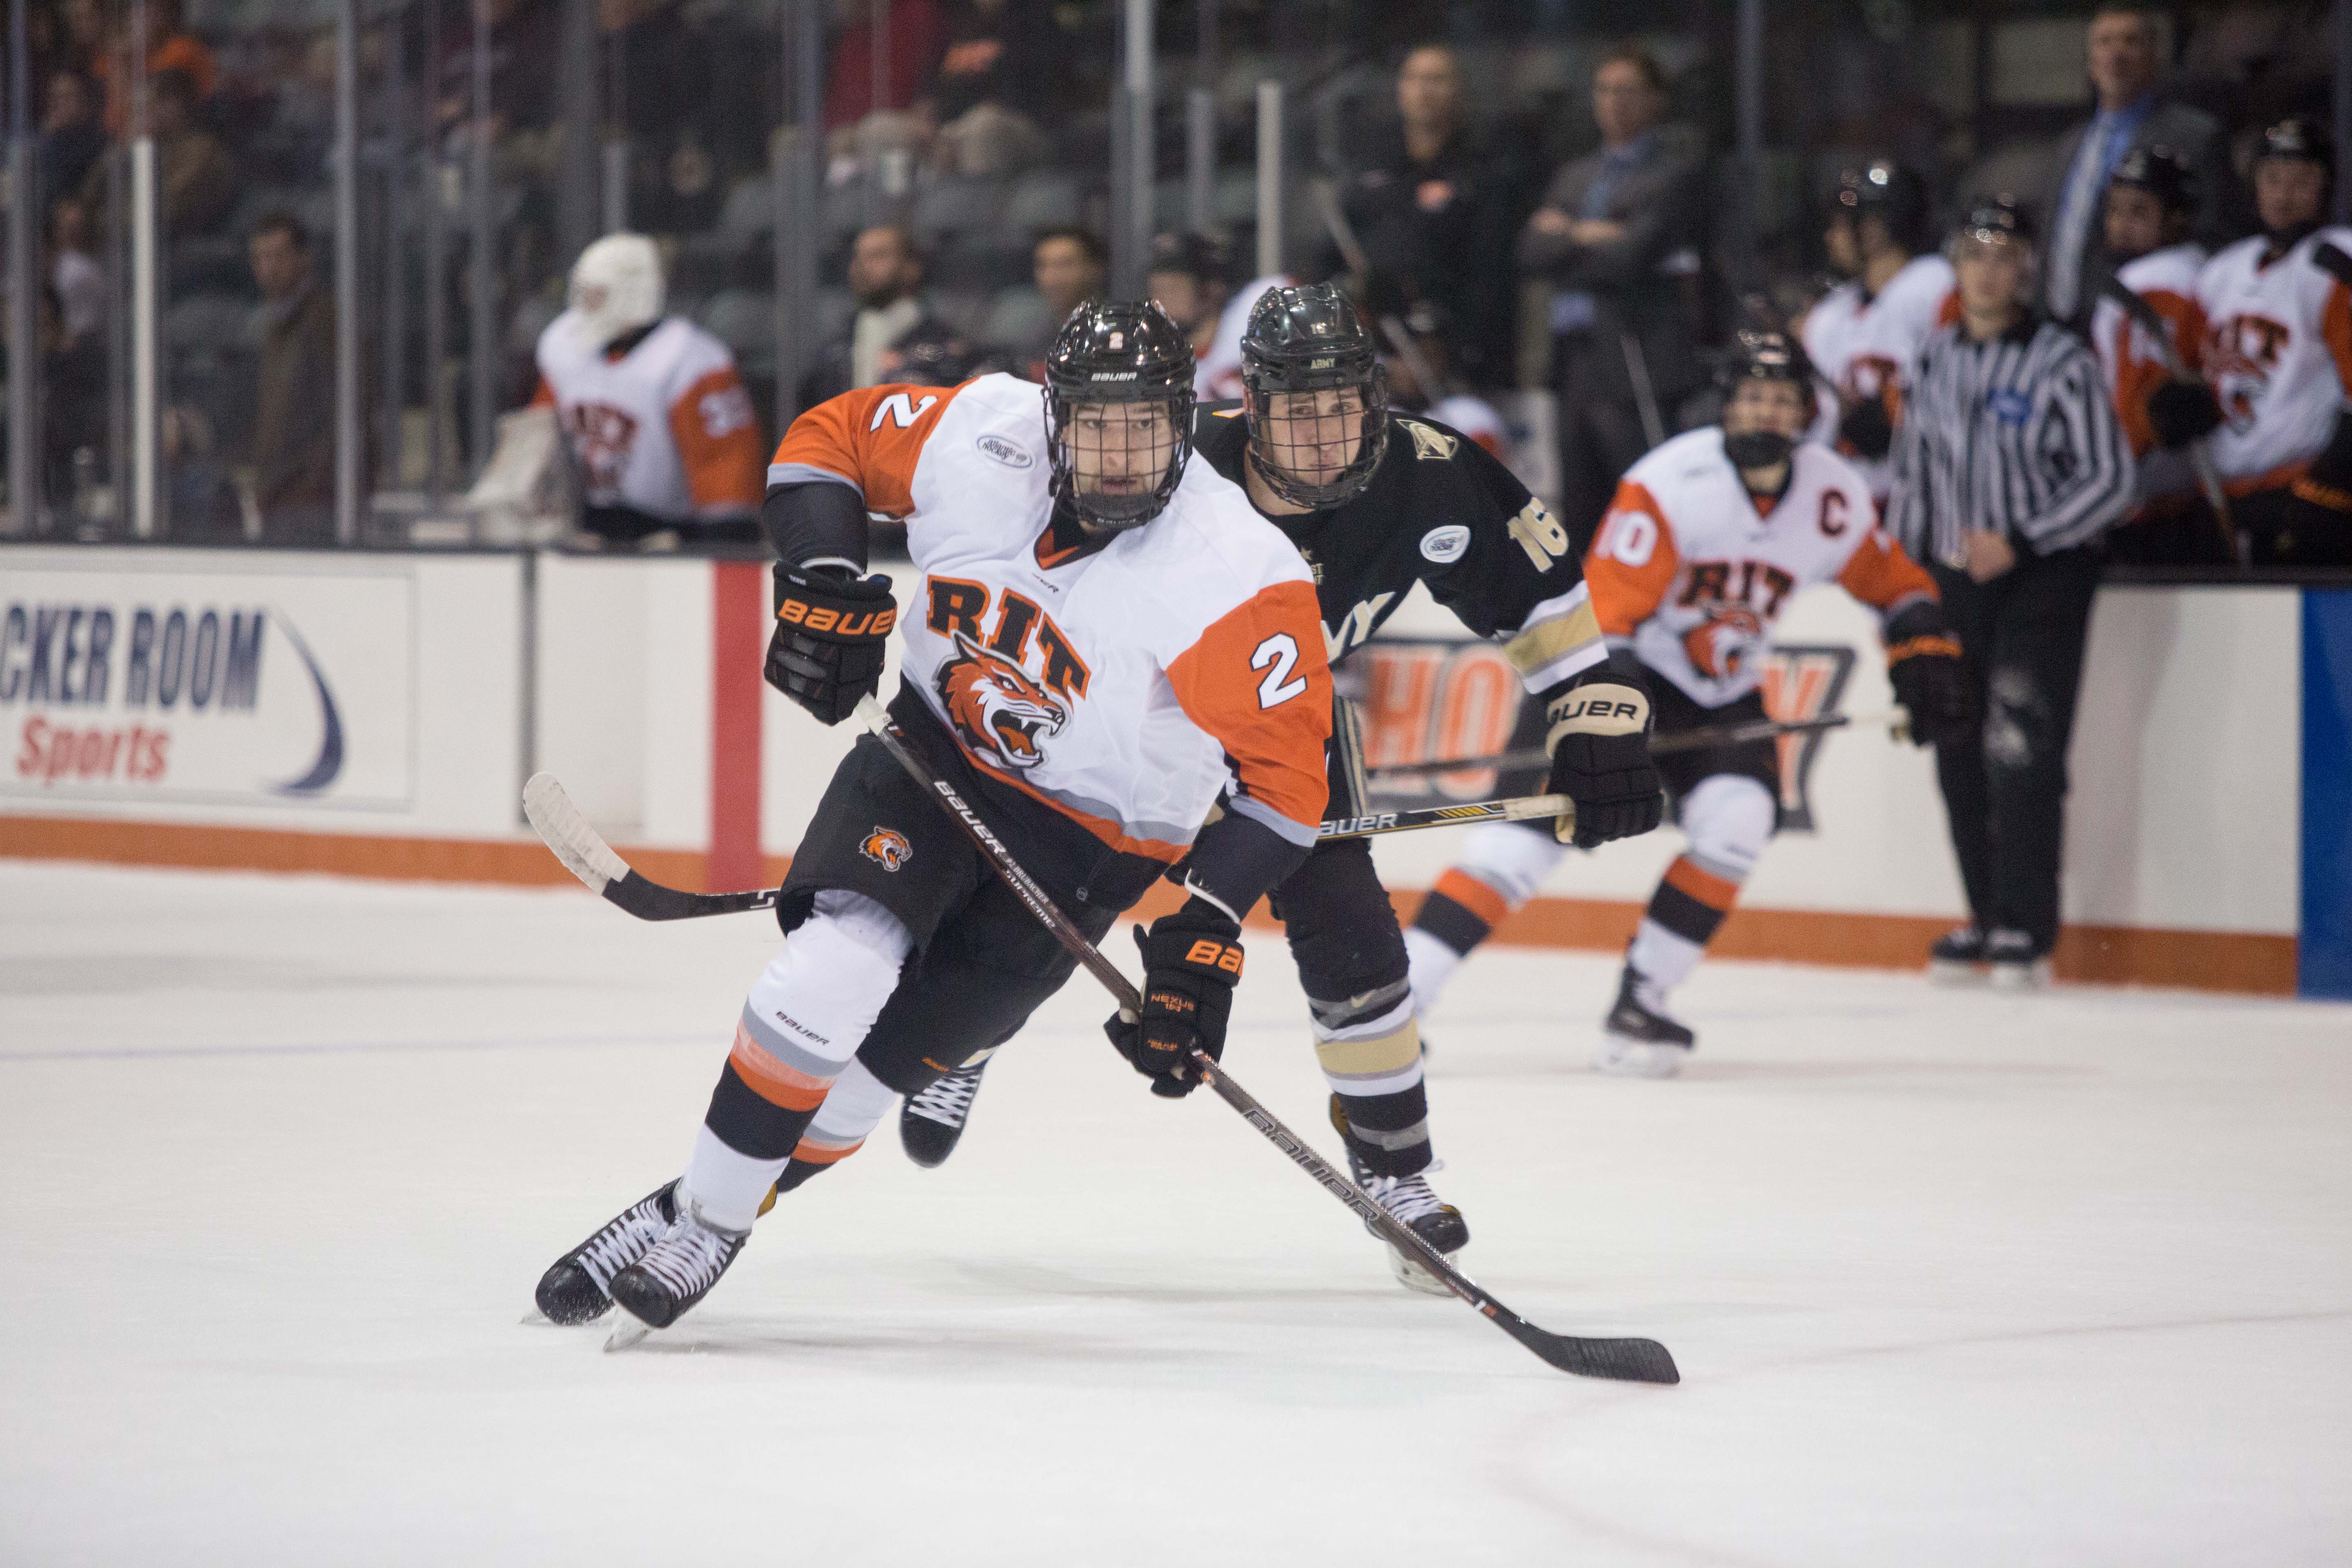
663,427
1687,572
1119,684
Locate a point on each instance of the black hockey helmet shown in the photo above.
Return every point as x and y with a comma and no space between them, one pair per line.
2298,137
1995,219
1313,340
1190,254
1885,189
1125,350
1769,356
2161,173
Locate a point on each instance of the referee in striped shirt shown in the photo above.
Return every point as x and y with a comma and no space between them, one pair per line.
2008,468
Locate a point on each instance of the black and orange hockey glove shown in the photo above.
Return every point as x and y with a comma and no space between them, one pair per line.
1924,666
1192,961
832,630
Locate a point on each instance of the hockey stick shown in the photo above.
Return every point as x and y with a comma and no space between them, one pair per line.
2209,480
1514,808
1688,741
1628,1360
580,847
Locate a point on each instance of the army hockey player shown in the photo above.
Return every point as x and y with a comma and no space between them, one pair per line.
1375,502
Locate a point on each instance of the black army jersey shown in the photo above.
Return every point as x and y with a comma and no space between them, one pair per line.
1440,509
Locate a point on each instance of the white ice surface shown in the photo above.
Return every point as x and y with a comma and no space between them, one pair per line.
1953,1278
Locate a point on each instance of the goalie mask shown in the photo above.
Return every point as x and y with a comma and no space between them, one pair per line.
1316,397
1118,412
616,286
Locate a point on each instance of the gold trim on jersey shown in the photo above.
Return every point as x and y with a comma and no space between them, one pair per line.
1429,445
1553,639
1389,1053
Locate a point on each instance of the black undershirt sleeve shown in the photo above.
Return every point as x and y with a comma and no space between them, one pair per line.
1237,860
808,521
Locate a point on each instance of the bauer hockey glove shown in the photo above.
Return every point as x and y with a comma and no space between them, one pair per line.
1922,664
1600,746
1191,960
2182,410
1867,428
831,632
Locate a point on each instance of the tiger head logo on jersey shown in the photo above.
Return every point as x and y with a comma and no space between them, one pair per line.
887,848
1722,645
1000,713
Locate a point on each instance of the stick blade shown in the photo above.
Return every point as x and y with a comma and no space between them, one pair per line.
561,828
1626,1361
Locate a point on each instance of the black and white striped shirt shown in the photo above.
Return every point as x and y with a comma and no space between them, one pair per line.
2015,435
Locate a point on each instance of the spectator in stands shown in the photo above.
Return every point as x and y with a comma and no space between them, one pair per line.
1188,280
197,178
886,276
2122,58
293,448
1068,265
73,398
72,139
689,86
918,33
1619,233
74,271
169,47
995,87
1434,208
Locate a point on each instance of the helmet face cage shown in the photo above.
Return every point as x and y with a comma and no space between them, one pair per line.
1110,364
1303,344
1771,356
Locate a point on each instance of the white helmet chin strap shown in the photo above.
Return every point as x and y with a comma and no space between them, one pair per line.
616,286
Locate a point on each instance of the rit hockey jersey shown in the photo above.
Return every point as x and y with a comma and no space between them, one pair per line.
1121,687
1864,346
664,427
2135,364
1691,577
2278,353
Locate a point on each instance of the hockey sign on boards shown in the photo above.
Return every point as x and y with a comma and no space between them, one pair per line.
153,681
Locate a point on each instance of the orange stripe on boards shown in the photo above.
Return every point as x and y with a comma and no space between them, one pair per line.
1475,896
778,1083
1686,876
523,862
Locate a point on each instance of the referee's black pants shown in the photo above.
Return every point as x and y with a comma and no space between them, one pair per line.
2005,787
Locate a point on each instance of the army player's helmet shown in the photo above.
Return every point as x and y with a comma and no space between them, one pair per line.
1119,472
2161,173
1895,196
1312,341
2298,137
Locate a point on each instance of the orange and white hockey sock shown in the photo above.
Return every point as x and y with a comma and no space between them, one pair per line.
1729,818
801,1024
1501,867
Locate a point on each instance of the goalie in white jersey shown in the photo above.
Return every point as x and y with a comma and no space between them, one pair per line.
2277,312
658,425
1104,637
1707,540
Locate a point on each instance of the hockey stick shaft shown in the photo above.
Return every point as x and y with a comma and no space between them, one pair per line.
2208,478
1633,1360
1516,808
1689,741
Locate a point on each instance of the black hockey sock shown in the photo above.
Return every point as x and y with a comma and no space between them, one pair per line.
1388,1134
757,1124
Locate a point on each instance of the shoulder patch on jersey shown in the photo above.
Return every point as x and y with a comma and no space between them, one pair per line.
1007,452
1446,544
1429,444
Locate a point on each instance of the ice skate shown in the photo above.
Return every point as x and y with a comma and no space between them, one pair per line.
931,1123
2017,962
1958,958
1637,1039
676,1272
1411,1200
578,1286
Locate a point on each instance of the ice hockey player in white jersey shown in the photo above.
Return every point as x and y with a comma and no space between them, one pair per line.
1104,636
2278,355
657,422
1864,335
2150,204
1708,538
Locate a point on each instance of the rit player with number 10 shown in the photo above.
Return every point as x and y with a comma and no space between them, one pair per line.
1708,538
1376,503
1105,637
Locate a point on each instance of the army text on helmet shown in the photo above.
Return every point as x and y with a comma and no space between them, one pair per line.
1312,341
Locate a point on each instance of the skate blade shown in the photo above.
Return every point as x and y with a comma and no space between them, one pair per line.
1639,1059
627,1334
1414,1277
2022,976
1949,971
